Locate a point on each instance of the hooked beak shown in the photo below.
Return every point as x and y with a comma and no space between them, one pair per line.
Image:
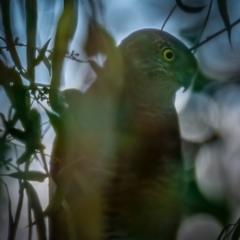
188,79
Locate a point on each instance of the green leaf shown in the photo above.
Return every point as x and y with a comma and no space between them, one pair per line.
18,134
47,63
41,55
18,95
25,157
31,31
37,211
55,120
33,131
189,9
28,176
223,10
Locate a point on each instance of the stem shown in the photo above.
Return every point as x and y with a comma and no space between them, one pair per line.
44,162
205,23
214,35
169,15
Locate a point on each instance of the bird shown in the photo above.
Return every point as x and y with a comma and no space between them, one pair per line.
124,135
145,195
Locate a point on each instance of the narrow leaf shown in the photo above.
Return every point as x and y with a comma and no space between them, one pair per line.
47,63
189,9
33,131
29,176
13,233
55,120
224,231
236,232
18,134
18,96
31,31
10,216
65,31
25,157
37,211
41,55
223,10
98,40
29,221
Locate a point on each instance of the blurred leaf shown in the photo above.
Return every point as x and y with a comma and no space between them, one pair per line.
189,9
65,31
47,63
223,10
31,31
98,40
41,55
33,130
4,149
17,94
18,134
6,20
236,232
37,211
12,234
25,157
64,180
16,40
29,221
10,216
55,120
28,176
223,232
96,68
3,70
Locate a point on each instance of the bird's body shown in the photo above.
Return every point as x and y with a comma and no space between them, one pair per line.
142,197
145,197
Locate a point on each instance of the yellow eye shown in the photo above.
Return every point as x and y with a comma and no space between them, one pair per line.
168,54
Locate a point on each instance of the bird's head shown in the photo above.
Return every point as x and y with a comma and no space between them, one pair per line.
155,66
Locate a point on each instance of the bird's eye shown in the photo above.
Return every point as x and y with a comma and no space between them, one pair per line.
168,54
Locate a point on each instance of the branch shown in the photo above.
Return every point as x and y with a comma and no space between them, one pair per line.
214,35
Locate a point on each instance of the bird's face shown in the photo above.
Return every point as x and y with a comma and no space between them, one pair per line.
156,65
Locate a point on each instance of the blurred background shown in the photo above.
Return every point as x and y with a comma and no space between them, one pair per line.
209,112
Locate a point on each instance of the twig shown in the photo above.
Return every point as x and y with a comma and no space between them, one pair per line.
214,35
169,15
44,161
205,22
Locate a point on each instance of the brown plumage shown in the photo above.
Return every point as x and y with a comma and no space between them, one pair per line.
127,141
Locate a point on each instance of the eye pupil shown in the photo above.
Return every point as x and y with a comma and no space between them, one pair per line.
169,55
